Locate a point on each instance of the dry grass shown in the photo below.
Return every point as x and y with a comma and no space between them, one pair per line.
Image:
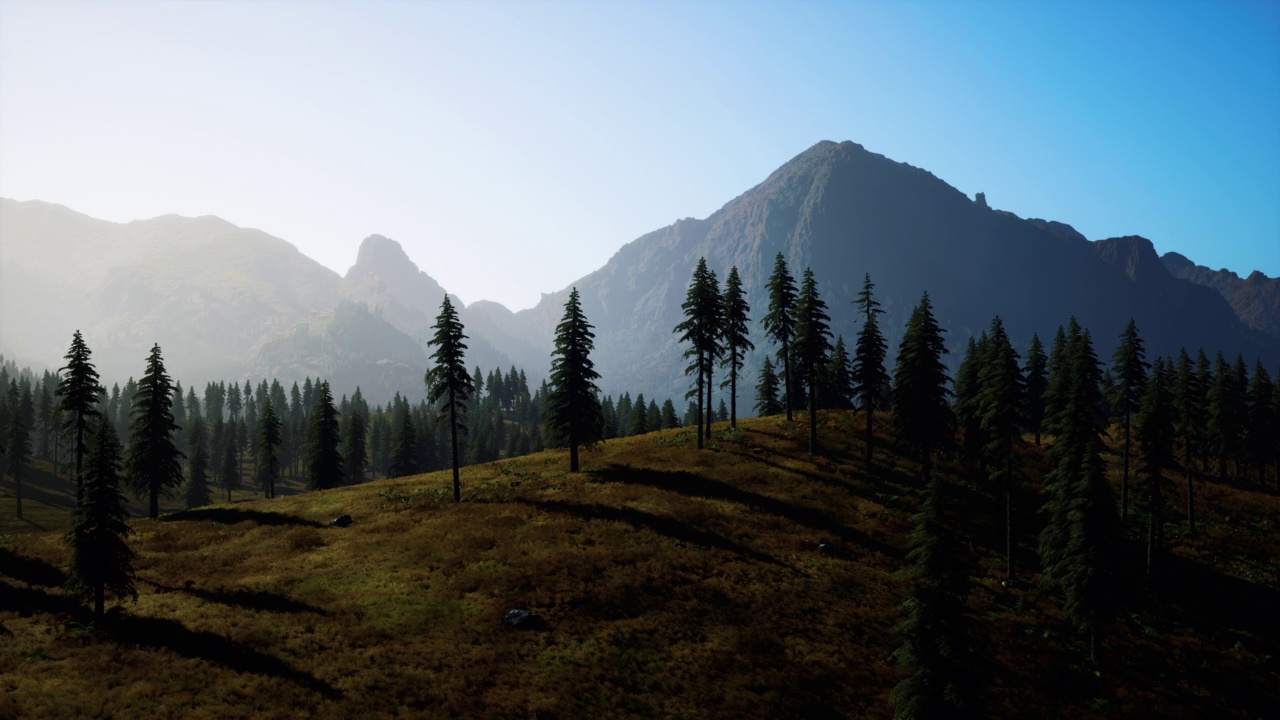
674,583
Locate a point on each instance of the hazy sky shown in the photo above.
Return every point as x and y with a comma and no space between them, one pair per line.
514,147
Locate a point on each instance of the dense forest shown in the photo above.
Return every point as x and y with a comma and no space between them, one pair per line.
1175,422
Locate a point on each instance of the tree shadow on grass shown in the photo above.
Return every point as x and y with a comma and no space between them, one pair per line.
247,599
639,519
171,635
231,516
30,570
687,483
29,600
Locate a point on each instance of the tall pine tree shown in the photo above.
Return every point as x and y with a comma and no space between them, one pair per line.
767,402
268,458
154,465
734,334
779,323
812,345
325,468
922,416
1001,390
573,407
870,379
79,391
1130,368
449,387
101,560
701,330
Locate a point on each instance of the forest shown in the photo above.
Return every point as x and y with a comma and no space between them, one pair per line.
1043,474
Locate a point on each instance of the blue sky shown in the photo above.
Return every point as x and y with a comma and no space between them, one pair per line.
514,147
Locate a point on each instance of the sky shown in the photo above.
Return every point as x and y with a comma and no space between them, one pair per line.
514,147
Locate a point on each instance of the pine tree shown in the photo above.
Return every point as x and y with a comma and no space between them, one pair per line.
701,329
870,379
812,346
197,492
1130,368
779,322
79,390
938,660
449,387
1035,372
1001,389
1087,571
639,421
1261,440
1226,410
19,454
325,468
229,469
269,441
1189,414
354,450
669,418
572,405
404,456
101,560
767,402
154,465
965,398
734,333
1155,432
922,416
837,379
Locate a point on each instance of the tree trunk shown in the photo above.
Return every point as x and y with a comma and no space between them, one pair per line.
99,601
17,491
1124,479
813,414
153,510
700,354
786,378
453,441
1008,511
733,396
870,413
710,410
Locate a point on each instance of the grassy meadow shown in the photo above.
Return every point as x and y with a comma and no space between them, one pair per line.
674,583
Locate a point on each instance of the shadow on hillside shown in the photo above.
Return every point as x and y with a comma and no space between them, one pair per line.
687,483
247,599
30,570
29,600
639,519
171,635
1220,603
231,516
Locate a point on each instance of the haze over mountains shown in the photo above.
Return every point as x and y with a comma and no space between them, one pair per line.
233,303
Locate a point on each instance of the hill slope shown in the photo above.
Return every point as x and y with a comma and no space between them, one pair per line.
674,583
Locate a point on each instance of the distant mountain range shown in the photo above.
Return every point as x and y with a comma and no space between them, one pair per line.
231,303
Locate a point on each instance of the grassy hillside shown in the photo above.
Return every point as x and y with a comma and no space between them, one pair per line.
674,583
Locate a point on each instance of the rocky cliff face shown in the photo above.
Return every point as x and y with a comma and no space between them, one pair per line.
1255,299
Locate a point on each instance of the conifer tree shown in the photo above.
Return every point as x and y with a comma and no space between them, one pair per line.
837,379
404,455
669,418
1001,390
1226,411
269,441
1188,414
701,330
79,391
639,417
1086,570
734,334
355,452
922,416
1035,372
767,402
869,378
938,660
812,346
229,470
1262,440
1130,368
573,407
101,560
197,492
965,399
325,468
1204,381
154,465
19,455
1155,433
449,387
1058,377
779,323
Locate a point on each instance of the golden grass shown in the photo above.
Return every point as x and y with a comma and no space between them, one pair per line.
674,583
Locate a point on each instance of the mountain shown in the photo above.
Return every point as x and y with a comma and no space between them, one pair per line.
845,211
229,302
1255,299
